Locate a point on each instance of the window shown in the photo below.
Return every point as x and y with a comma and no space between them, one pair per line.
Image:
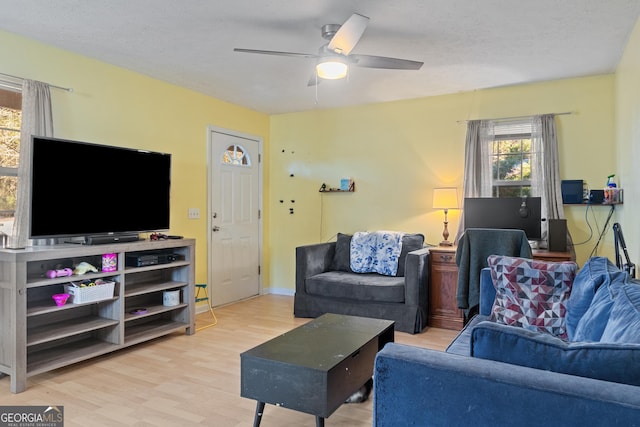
236,155
515,157
10,120
511,159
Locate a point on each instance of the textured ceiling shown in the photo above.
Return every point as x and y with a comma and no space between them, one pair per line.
465,44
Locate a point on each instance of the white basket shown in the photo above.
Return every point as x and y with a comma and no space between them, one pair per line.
80,295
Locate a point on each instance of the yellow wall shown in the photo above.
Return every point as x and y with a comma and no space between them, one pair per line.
628,139
111,105
398,152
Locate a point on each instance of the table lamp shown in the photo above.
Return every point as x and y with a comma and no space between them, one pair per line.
445,198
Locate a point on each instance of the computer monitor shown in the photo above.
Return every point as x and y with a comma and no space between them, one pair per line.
520,213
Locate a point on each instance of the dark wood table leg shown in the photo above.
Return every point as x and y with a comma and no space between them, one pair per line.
259,412
319,422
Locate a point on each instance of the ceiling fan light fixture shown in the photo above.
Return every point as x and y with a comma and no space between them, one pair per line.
331,68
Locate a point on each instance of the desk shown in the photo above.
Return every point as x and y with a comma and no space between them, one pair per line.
545,255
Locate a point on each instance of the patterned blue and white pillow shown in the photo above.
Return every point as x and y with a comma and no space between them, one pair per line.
376,252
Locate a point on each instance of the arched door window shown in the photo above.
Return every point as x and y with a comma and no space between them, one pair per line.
236,155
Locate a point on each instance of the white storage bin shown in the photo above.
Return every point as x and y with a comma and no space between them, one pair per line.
80,295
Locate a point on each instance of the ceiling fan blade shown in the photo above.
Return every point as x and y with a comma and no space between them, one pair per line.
370,61
349,34
275,52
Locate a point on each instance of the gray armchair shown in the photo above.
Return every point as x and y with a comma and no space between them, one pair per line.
325,286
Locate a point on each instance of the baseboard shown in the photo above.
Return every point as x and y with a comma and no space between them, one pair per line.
279,291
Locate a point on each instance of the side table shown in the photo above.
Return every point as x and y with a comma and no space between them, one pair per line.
443,282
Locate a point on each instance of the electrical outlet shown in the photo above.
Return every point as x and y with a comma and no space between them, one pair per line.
194,213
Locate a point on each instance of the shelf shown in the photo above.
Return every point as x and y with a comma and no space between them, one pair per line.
593,204
48,306
148,287
165,266
34,282
57,357
151,311
331,190
152,329
326,189
67,328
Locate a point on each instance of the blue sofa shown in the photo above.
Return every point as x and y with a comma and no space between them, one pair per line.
494,374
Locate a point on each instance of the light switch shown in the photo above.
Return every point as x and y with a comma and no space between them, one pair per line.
194,213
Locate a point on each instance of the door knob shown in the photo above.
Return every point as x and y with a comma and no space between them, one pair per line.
216,228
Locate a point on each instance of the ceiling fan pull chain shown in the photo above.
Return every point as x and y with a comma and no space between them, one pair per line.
316,88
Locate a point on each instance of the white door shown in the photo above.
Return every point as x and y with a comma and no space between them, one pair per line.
234,216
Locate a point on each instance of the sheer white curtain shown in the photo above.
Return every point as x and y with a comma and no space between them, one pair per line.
545,166
477,163
37,119
545,175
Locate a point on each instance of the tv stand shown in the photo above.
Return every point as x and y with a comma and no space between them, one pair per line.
37,336
103,239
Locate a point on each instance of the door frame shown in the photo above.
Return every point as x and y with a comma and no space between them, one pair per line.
210,165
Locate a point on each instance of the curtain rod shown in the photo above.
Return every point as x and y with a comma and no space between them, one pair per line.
518,117
68,89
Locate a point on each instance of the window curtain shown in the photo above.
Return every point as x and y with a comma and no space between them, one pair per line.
545,179
37,119
477,164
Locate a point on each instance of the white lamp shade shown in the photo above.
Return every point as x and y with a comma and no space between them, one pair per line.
445,198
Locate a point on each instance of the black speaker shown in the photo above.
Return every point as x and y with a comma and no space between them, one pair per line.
557,235
111,238
571,191
596,196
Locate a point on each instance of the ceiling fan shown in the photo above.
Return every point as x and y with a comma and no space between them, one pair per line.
334,58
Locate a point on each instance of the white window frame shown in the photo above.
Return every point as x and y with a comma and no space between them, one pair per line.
507,131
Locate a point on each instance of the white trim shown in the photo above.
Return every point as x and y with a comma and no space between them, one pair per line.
279,291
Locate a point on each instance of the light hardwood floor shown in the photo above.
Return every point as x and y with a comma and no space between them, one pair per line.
183,380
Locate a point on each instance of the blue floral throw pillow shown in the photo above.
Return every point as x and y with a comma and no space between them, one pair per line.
376,252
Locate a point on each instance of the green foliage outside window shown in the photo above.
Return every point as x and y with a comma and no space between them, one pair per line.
9,155
511,163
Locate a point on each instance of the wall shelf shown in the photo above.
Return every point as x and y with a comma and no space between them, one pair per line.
593,204
336,190
325,189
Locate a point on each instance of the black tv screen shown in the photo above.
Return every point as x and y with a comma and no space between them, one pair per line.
86,189
520,213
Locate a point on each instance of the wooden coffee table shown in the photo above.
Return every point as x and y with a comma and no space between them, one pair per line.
315,367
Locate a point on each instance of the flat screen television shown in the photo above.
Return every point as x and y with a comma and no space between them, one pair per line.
85,189
520,213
